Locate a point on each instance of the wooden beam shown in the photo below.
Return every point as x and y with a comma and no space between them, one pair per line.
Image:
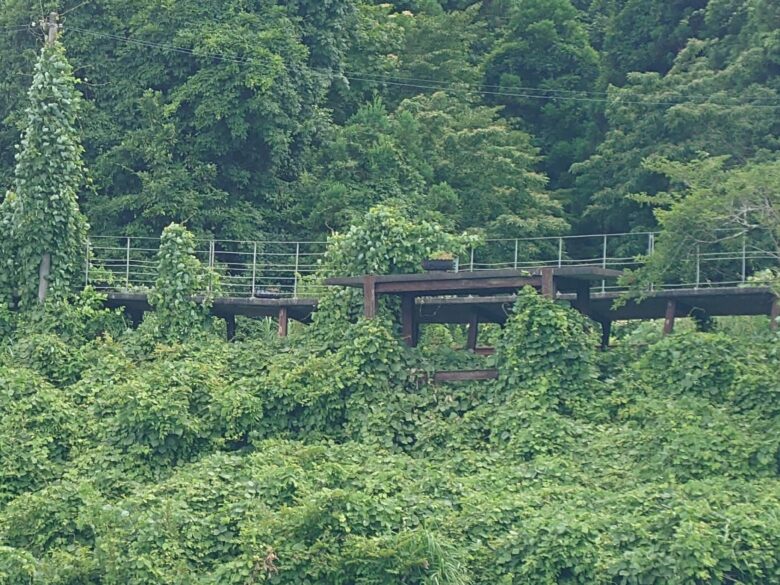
671,313
464,285
230,326
465,376
548,283
409,320
284,321
774,314
369,296
485,351
473,333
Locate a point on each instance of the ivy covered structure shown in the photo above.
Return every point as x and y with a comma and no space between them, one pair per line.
44,233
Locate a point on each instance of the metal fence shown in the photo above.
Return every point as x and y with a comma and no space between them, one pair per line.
270,269
274,269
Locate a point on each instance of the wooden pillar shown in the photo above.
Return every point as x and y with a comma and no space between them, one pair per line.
548,283
582,304
409,320
606,333
774,314
230,323
473,333
284,321
671,313
369,296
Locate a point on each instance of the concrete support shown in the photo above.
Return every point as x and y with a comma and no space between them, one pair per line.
774,314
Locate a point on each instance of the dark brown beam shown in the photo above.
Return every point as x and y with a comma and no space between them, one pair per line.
465,376
465,285
473,333
774,314
548,283
409,320
284,322
671,313
485,351
369,296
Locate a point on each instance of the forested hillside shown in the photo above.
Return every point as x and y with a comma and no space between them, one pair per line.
158,453
518,117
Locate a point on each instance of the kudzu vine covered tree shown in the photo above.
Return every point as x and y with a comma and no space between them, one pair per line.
40,216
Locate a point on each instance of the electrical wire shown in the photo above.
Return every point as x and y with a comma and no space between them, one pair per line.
519,92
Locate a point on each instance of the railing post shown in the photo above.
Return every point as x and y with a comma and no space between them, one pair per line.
517,242
698,265
560,252
254,270
127,265
86,264
295,275
212,249
650,250
744,258
604,263
471,264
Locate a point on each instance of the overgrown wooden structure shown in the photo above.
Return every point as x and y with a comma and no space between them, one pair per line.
550,281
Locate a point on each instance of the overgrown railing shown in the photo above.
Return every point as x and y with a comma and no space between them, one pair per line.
281,269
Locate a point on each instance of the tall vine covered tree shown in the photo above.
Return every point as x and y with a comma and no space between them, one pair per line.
43,228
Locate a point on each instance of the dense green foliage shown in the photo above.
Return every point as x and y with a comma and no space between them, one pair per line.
520,117
166,455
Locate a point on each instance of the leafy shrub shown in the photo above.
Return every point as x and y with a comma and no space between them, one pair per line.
37,431
545,340
700,364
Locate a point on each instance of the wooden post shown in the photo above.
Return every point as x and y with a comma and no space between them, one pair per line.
606,333
671,313
473,334
230,322
774,314
548,283
369,296
284,322
408,320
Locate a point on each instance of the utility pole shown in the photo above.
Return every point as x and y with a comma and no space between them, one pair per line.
53,27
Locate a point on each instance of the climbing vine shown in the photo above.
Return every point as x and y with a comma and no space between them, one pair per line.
40,214
180,277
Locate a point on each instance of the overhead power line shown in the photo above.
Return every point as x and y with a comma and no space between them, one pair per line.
457,87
